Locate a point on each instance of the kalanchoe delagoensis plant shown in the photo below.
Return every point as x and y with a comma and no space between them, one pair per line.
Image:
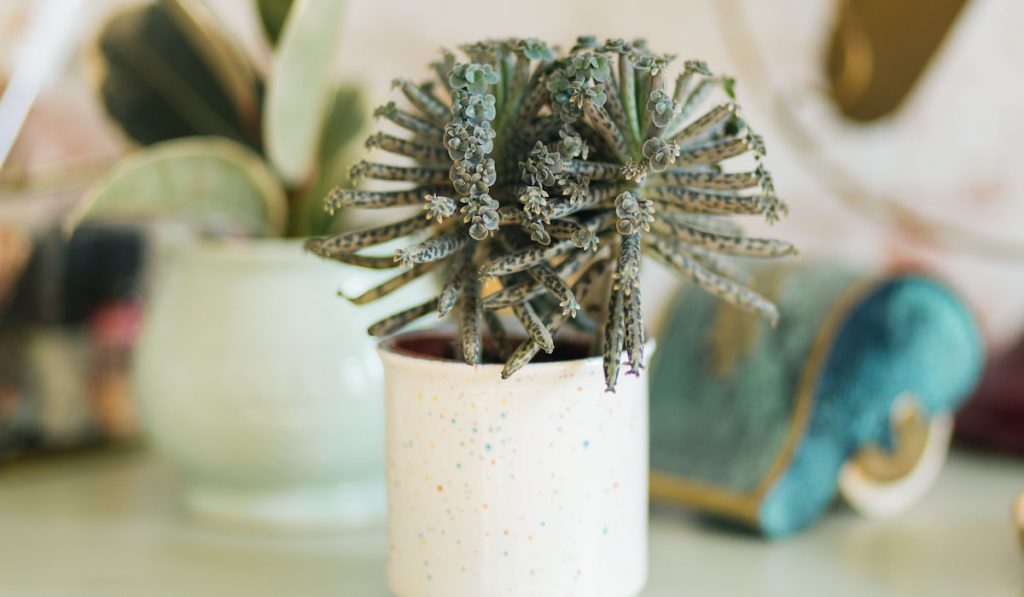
554,173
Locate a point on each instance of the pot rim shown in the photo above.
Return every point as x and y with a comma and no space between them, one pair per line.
249,249
388,351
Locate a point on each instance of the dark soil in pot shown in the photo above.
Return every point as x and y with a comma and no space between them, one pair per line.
440,345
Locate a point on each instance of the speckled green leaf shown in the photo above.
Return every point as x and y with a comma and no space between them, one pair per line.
166,71
299,92
208,182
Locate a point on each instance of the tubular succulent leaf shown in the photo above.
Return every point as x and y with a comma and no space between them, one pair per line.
552,171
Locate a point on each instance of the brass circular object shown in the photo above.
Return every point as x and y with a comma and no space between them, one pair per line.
1017,512
878,482
853,61
910,432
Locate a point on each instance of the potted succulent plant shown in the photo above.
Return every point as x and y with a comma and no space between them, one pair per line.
246,377
542,178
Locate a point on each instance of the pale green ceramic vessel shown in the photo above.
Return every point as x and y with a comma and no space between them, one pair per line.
262,386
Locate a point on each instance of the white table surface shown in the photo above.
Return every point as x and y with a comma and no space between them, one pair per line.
109,525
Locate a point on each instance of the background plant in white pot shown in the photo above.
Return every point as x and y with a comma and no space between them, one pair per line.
246,376
542,179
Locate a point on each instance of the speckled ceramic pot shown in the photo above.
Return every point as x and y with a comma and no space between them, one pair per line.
535,485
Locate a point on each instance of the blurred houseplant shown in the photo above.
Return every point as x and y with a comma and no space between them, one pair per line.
247,381
225,148
545,175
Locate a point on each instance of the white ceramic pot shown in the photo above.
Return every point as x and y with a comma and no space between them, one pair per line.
261,384
535,485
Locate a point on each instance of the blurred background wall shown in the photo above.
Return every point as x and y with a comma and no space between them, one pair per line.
932,181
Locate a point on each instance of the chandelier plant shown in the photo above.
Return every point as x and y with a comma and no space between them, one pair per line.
553,173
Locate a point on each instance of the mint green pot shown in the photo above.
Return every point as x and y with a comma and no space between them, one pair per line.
261,386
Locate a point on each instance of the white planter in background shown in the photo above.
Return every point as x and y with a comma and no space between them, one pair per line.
535,485
261,384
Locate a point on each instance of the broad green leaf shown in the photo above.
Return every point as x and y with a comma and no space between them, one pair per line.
299,91
158,81
346,120
208,182
272,15
224,57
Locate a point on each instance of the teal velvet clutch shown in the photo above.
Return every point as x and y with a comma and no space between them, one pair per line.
754,424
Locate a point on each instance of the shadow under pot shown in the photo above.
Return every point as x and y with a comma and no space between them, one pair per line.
535,485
